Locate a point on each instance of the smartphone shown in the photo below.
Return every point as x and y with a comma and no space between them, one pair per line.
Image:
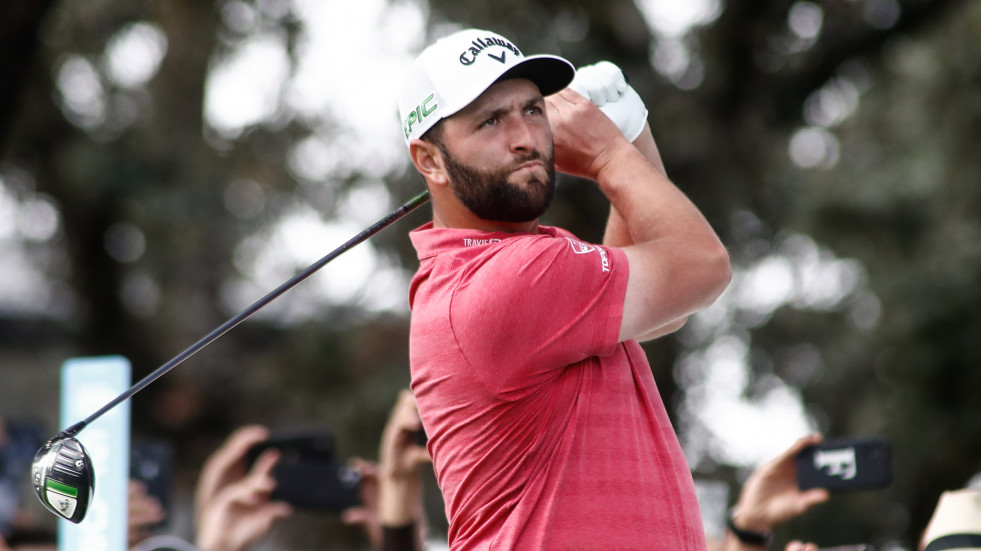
151,462
420,438
845,464
321,486
308,474
296,445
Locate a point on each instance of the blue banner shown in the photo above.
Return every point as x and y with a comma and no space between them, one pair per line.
87,384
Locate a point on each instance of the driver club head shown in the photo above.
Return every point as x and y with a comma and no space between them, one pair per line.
64,478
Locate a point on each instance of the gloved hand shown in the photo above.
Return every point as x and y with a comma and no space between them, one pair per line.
604,84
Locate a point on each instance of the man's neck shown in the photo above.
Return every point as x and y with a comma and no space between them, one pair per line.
470,221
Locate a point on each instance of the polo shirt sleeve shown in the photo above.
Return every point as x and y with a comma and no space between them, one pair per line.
534,305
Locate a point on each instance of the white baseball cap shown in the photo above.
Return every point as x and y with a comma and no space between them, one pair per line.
452,72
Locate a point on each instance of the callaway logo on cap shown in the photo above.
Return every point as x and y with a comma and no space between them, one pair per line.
448,75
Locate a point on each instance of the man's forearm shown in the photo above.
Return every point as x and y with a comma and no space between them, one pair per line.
627,197
677,263
401,513
617,234
400,500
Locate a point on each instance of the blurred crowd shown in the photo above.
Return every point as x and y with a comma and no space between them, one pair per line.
235,507
234,499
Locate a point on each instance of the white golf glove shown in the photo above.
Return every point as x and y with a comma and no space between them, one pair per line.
604,84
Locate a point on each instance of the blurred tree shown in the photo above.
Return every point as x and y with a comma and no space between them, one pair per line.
904,199
153,204
829,143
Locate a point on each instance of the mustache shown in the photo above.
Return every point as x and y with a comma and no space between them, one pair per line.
533,155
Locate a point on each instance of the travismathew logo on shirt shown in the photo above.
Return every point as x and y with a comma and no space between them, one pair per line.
579,247
467,242
478,46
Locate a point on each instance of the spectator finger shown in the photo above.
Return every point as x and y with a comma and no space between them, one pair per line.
227,463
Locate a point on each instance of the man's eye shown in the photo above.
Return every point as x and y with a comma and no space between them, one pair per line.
534,110
489,122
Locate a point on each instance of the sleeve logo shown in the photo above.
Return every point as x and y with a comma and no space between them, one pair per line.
579,247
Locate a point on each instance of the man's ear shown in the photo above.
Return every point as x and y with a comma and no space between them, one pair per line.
428,160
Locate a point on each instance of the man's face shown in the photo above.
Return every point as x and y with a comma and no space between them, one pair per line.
502,166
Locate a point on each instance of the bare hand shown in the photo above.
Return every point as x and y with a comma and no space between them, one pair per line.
391,491
241,513
771,496
400,456
227,464
366,515
585,139
144,511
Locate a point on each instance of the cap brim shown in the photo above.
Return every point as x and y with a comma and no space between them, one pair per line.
550,73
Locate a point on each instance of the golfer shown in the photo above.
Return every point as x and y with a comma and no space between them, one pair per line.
545,425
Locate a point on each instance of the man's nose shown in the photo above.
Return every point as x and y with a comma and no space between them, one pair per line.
523,135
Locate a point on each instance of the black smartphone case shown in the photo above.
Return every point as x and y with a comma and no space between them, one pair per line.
308,474
316,485
298,445
845,464
151,462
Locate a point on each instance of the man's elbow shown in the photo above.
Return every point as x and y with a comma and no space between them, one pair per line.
724,267
668,329
717,271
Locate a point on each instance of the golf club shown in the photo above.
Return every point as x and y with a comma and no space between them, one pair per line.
62,473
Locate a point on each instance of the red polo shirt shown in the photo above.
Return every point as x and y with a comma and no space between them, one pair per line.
545,432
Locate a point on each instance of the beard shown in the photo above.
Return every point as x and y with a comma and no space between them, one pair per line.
489,195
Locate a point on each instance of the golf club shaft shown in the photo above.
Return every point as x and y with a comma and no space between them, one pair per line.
378,226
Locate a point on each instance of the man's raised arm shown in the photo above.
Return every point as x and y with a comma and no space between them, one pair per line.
678,265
